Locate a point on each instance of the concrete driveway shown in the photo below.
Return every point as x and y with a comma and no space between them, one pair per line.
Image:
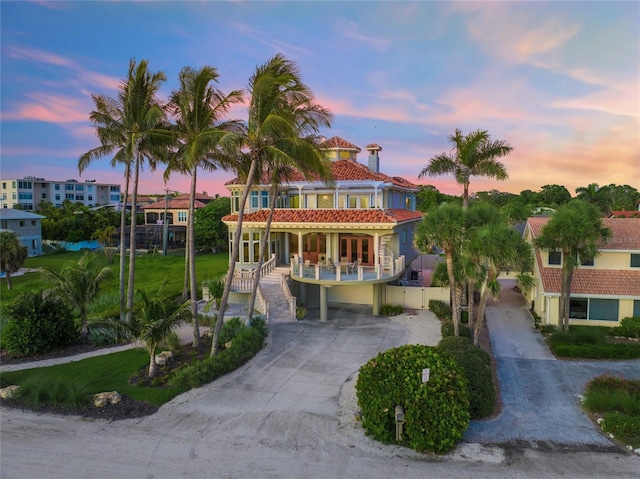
287,414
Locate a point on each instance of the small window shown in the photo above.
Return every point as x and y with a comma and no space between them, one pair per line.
254,200
555,258
636,307
586,262
182,216
21,222
33,222
635,260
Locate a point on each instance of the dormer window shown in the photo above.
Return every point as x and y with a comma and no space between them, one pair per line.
555,258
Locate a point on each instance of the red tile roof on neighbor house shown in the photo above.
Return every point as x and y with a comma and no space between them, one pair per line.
625,232
329,216
342,170
625,236
625,214
180,202
337,143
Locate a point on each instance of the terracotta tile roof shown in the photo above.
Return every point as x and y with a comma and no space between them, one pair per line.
593,281
625,232
336,142
625,236
329,216
181,202
344,170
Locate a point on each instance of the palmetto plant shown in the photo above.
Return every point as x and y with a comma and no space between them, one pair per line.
78,284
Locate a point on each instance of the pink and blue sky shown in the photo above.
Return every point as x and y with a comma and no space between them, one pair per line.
560,81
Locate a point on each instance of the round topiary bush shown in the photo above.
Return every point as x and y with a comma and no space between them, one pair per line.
436,412
476,364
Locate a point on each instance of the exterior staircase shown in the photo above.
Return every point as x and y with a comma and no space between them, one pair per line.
272,292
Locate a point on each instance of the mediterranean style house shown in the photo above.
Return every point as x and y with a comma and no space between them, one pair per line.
604,290
27,225
342,241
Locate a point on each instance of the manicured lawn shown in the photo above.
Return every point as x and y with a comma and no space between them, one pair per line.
104,373
151,272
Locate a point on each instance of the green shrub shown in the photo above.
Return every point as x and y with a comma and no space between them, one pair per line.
547,329
464,317
629,327
476,364
102,336
624,428
609,382
38,325
245,345
447,330
436,412
54,391
391,309
301,312
229,330
612,400
580,335
441,309
597,351
259,324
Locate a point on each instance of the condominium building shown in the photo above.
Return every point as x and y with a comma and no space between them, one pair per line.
28,192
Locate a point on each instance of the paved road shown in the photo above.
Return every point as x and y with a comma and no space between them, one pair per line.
541,408
284,416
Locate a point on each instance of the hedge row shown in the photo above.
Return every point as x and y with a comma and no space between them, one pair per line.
244,346
597,351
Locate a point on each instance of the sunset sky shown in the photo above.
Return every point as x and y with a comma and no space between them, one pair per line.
559,81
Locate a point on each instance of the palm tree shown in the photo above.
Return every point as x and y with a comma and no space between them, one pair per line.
199,109
151,325
79,284
281,107
293,153
575,229
601,197
499,247
12,254
105,238
471,155
445,227
132,126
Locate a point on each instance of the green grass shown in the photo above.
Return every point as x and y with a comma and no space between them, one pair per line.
104,373
619,400
151,272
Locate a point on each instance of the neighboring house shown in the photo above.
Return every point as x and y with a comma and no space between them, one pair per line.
603,291
342,241
176,208
27,225
30,191
625,214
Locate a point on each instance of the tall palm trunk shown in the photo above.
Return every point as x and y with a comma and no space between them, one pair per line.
567,276
233,258
455,297
471,299
491,276
153,366
185,284
191,237
132,241
123,227
263,246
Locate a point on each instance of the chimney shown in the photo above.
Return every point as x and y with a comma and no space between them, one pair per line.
374,159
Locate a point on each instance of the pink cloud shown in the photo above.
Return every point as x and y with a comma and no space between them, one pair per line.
50,108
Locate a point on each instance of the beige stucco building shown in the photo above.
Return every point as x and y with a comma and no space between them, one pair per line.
603,291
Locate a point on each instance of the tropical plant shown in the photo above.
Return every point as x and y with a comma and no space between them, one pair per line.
78,284
199,110
152,324
37,324
473,154
105,238
210,232
133,128
593,193
275,89
575,229
12,254
294,149
444,227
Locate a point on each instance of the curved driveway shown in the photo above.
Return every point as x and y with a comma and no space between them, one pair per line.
287,415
